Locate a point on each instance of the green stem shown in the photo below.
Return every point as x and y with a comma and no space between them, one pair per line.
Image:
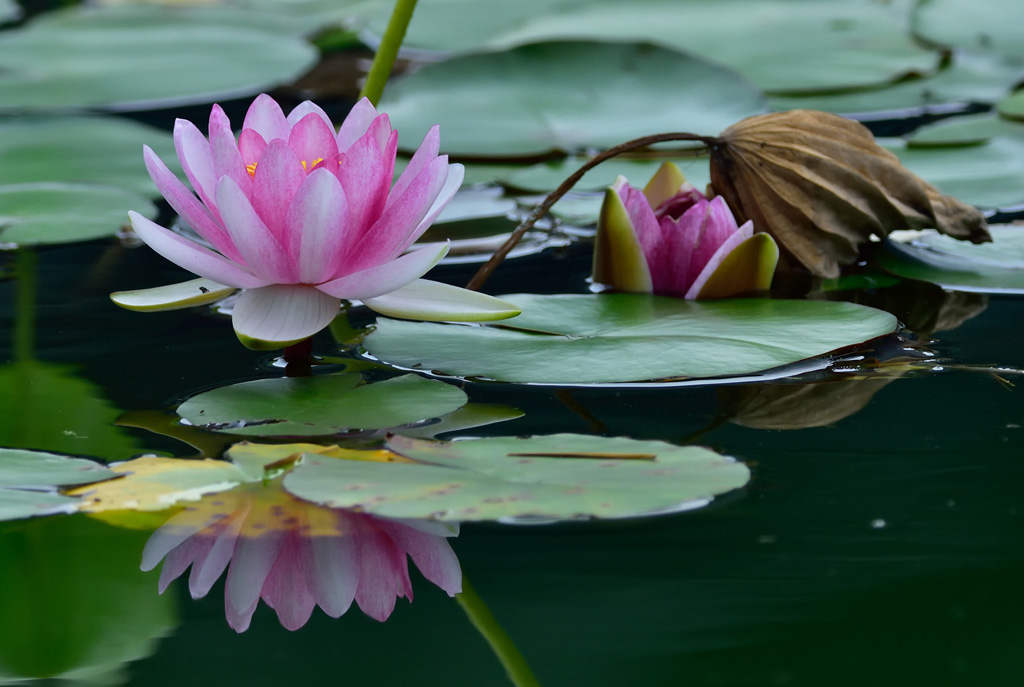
487,268
24,344
387,51
501,644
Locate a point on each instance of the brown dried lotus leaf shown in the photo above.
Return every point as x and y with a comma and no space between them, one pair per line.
821,185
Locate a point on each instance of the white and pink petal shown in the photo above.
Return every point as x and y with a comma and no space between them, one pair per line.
281,315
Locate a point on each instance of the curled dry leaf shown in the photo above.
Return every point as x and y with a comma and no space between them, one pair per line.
821,185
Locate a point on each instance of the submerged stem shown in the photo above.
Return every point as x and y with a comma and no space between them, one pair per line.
538,212
501,644
25,305
298,359
387,51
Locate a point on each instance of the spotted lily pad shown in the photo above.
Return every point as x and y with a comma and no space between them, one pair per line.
563,476
566,96
996,267
82,58
321,405
55,212
28,481
608,338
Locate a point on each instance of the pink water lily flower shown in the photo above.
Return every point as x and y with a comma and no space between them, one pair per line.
301,217
296,555
669,239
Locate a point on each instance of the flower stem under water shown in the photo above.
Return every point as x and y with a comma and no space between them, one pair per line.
501,644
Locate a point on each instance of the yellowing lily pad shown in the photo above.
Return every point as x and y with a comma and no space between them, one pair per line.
612,338
558,477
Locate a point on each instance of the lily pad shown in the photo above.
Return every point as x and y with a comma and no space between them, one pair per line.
28,480
80,58
768,41
93,150
57,212
971,78
565,96
996,267
317,406
990,174
558,477
609,338
991,25
1013,107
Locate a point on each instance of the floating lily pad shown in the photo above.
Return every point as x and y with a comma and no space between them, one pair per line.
151,484
565,96
56,212
996,267
28,480
966,131
971,78
594,339
563,476
990,174
768,41
81,58
1013,107
317,406
991,25
93,150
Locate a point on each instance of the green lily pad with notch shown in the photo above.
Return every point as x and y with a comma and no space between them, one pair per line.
28,481
321,405
81,58
780,45
993,25
557,477
565,96
996,267
613,338
93,150
57,212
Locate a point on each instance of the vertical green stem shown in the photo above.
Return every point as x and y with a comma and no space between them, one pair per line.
501,644
24,344
387,51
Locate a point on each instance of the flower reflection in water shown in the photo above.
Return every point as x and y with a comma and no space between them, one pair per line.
296,555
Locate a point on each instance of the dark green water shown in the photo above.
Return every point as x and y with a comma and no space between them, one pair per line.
883,549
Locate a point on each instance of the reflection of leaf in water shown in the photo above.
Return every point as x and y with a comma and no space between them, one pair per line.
798,406
296,555
75,604
54,410
28,481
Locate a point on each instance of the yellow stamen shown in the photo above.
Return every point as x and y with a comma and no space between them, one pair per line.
251,169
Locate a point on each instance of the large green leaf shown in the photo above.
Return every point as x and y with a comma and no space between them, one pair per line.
781,45
547,176
57,212
563,476
565,96
586,339
93,150
82,58
991,25
996,267
316,406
